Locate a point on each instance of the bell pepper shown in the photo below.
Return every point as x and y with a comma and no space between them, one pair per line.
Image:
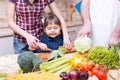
77,59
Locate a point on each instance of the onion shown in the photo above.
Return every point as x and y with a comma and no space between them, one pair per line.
73,75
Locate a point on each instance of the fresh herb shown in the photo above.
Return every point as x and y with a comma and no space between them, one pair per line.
101,55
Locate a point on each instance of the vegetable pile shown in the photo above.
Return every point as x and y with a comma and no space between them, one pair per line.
101,55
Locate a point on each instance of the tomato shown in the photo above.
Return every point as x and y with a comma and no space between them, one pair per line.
104,68
97,66
90,73
45,57
90,65
95,71
101,75
81,69
69,49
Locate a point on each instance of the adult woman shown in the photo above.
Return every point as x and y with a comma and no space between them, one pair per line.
28,26
100,19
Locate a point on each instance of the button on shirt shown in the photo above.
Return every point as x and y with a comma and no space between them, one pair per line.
29,19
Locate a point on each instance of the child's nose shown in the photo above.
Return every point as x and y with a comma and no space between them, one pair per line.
52,30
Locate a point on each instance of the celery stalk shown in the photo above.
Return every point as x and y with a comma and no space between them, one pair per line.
66,69
46,64
58,63
59,67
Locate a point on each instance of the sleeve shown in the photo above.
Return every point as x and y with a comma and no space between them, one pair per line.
50,1
12,1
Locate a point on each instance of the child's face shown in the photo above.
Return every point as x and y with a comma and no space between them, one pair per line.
53,30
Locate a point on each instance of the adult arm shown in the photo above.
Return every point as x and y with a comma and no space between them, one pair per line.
67,42
85,13
31,40
115,34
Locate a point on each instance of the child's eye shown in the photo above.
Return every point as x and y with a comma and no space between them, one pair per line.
55,27
49,28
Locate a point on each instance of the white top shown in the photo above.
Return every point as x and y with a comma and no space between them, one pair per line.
104,15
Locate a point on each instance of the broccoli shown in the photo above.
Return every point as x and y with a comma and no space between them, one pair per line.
27,60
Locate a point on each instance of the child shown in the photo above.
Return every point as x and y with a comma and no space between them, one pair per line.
53,37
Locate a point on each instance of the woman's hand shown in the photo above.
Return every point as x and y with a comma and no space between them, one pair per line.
32,41
85,31
113,40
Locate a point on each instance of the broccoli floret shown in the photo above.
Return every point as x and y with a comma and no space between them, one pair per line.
36,62
27,60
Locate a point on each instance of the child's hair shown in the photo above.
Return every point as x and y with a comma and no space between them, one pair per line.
49,18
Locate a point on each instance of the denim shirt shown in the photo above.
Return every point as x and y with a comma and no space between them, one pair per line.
52,43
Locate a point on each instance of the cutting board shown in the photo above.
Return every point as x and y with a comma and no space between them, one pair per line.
43,54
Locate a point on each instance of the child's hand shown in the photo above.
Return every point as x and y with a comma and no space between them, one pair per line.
43,46
31,48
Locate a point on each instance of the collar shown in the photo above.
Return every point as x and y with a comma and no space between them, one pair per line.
59,37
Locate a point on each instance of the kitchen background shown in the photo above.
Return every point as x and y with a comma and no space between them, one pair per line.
67,10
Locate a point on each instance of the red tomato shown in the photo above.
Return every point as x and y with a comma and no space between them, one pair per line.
69,49
97,66
90,73
45,57
95,71
104,68
101,75
81,69
90,65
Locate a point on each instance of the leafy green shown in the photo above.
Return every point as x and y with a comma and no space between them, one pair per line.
82,44
55,54
101,55
64,50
